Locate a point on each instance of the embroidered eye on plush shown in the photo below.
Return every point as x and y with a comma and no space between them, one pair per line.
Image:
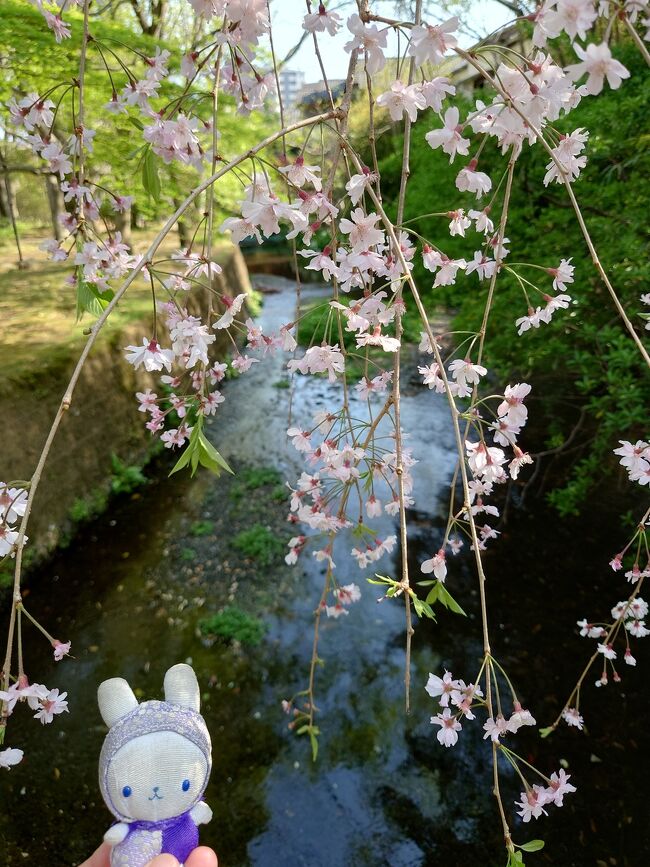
126,791
185,785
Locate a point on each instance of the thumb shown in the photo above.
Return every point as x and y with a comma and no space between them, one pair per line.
202,857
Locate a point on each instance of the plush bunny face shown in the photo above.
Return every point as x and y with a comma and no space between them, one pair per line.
156,758
156,776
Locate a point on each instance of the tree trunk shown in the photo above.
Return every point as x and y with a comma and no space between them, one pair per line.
4,206
184,236
123,225
55,202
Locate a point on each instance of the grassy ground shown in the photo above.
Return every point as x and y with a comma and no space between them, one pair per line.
37,309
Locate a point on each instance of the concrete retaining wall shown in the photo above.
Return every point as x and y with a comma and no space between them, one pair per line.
103,419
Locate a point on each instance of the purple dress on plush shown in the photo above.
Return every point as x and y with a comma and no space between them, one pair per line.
177,836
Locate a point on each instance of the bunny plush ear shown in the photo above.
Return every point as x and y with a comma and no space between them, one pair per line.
182,687
115,698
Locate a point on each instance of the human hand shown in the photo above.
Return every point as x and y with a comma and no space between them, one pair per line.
201,857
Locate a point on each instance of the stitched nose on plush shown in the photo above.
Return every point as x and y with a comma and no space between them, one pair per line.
156,794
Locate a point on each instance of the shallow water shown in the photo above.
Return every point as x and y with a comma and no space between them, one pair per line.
383,790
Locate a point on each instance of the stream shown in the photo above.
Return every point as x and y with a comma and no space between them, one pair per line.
132,587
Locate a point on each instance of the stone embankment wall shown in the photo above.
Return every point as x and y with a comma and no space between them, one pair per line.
103,419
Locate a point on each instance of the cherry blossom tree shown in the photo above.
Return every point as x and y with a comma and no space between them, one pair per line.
307,180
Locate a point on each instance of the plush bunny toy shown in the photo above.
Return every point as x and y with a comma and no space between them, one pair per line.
153,769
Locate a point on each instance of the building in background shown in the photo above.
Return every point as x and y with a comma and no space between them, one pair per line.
291,81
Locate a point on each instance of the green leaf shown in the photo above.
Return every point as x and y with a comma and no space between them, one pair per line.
90,300
184,459
544,733
383,579
448,600
200,452
362,530
314,745
432,596
135,121
423,609
150,178
211,458
531,846
439,593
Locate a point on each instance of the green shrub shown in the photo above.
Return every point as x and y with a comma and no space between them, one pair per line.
260,544
125,479
233,624
202,528
86,508
583,366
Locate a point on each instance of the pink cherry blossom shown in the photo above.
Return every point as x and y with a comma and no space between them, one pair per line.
449,727
233,306
531,804
371,40
569,156
436,565
532,320
300,439
520,717
150,355
459,222
10,757
512,406
431,42
520,459
482,264
176,437
562,275
50,704
628,658
60,649
436,90
572,718
401,99
559,787
495,728
607,650
466,373
361,229
597,62
449,138
347,594
56,24
299,174
469,180
481,220
444,686
322,21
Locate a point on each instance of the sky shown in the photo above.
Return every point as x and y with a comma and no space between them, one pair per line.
287,16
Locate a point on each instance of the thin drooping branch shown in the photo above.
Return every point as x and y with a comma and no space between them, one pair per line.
94,333
10,209
399,453
493,82
640,44
459,441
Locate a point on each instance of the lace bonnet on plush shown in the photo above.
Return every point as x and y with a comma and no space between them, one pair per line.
128,720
